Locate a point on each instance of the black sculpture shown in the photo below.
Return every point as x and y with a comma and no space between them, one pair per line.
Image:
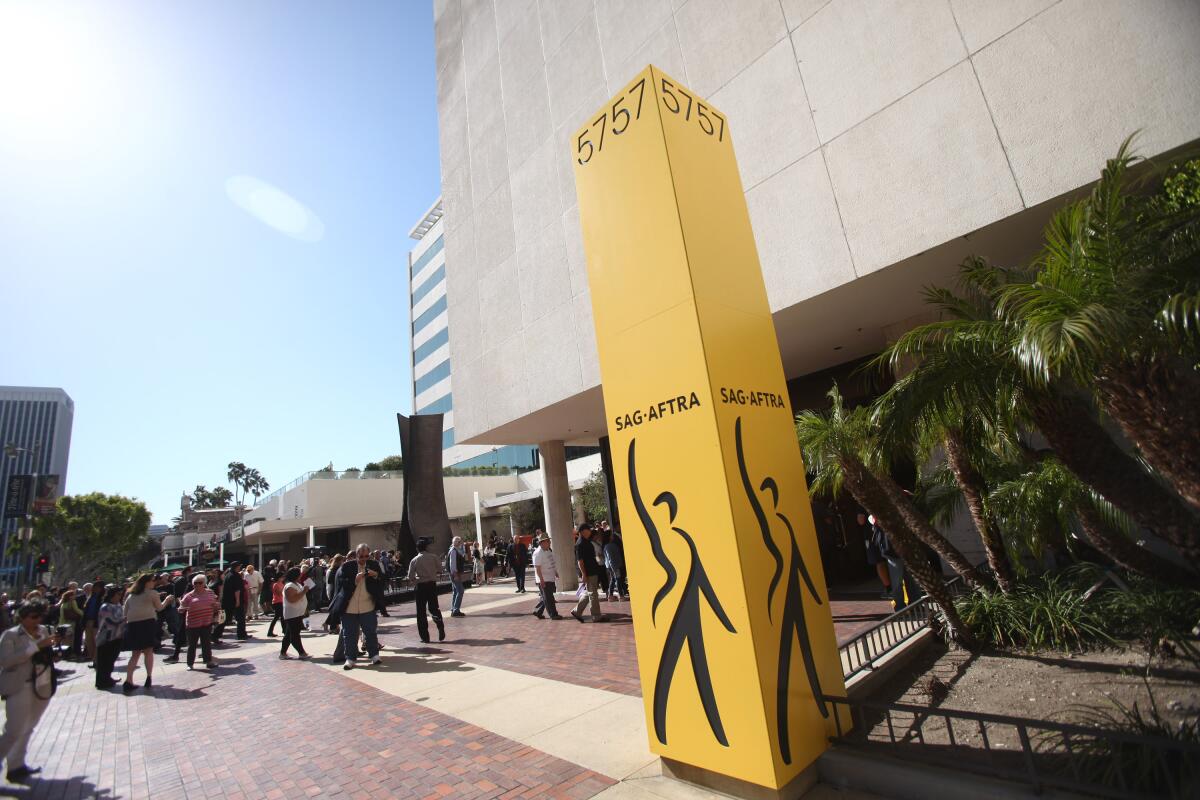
793,626
685,627
424,510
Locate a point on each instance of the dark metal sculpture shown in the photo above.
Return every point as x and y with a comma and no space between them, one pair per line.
424,512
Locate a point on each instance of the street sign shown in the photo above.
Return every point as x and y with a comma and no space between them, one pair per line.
735,639
16,496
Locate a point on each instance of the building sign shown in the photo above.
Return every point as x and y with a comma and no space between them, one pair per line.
735,639
16,495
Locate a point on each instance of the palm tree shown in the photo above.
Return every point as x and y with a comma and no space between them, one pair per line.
1047,496
1113,307
835,445
976,362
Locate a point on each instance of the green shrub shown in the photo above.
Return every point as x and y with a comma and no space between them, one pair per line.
1050,612
1137,767
1062,612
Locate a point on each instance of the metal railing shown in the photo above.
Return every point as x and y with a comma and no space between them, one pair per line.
860,653
1038,753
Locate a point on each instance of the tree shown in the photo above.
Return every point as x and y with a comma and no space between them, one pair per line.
91,534
838,445
246,481
977,362
202,497
594,497
527,515
1112,306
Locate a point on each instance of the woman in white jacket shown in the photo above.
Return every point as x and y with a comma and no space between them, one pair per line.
26,684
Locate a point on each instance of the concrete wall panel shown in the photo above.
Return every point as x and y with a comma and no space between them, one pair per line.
924,170
545,285
768,115
552,370
1071,83
984,21
856,58
719,39
801,244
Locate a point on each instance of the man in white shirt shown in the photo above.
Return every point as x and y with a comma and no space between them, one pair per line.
546,574
254,582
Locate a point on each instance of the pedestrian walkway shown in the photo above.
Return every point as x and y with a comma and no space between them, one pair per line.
507,707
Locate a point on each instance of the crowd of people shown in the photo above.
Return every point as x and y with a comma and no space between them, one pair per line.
186,615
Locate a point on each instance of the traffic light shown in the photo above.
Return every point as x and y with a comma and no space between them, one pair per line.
43,563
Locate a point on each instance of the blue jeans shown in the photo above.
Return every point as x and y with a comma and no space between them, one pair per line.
351,623
456,596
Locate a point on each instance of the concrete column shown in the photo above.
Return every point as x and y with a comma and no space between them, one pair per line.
556,501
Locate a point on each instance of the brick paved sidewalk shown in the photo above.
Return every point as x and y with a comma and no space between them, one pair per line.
264,728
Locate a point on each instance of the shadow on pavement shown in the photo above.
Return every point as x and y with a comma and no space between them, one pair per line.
414,666
58,787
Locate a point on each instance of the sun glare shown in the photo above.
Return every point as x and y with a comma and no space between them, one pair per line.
55,78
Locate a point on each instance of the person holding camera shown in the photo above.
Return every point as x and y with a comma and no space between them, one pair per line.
26,683
360,596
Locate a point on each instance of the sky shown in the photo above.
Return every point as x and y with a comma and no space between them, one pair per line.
204,216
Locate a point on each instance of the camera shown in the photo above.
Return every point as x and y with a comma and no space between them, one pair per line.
62,630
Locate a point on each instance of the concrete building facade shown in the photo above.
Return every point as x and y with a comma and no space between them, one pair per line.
877,141
880,142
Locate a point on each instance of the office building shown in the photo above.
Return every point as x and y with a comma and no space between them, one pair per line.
879,144
35,432
431,364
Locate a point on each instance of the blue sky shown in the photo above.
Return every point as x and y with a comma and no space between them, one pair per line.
188,331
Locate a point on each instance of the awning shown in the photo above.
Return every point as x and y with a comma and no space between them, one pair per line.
527,494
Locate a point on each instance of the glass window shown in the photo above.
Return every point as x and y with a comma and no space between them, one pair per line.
447,438
436,341
428,255
429,314
439,406
434,375
429,285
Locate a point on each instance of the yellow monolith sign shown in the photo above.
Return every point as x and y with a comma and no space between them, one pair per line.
734,636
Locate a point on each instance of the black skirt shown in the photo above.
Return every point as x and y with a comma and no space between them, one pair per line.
141,634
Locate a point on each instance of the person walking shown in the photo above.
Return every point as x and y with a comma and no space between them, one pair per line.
589,575
233,601
254,582
614,560
26,683
70,616
276,603
179,587
91,619
199,607
295,604
545,572
141,628
459,568
332,623
423,572
360,595
518,559
489,562
110,632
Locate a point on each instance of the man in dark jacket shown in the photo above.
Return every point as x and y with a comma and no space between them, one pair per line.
360,586
233,600
518,559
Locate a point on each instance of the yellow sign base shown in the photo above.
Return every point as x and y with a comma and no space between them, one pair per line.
734,636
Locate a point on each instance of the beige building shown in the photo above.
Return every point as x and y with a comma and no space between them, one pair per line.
880,142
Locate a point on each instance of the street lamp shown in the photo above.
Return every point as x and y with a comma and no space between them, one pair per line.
26,535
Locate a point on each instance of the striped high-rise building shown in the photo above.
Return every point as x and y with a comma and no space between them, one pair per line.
35,434
431,364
